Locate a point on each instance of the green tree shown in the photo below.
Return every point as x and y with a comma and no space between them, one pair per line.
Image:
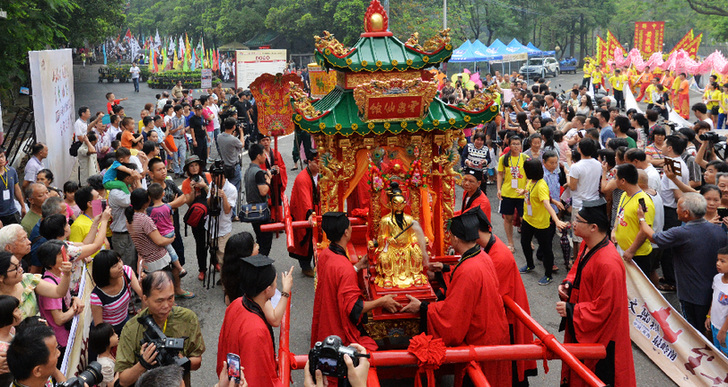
91,22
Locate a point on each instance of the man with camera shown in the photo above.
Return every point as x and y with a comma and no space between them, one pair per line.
167,321
257,191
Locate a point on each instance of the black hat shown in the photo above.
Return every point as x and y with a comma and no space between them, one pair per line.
483,222
595,212
193,159
465,226
256,274
334,225
312,154
473,172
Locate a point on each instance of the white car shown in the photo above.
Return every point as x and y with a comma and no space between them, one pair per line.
540,68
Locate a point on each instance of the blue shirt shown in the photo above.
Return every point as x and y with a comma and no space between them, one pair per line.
110,174
8,182
552,180
605,134
36,240
695,249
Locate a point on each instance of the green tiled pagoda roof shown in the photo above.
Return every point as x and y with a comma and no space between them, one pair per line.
384,53
340,114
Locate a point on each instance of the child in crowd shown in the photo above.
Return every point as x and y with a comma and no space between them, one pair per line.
69,195
161,214
111,101
492,153
101,340
717,321
10,317
110,181
45,177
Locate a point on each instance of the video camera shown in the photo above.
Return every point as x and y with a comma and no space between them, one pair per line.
711,137
328,356
168,348
91,376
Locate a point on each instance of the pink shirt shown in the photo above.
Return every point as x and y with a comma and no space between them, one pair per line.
162,217
46,305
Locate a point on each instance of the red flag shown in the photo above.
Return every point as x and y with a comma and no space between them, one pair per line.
128,34
156,65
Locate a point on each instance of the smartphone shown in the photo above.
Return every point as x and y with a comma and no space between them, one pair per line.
233,364
642,204
64,254
97,207
722,213
103,205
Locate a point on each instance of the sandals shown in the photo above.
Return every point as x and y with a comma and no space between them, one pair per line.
182,273
511,248
185,296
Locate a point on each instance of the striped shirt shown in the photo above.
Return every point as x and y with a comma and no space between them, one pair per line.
115,308
140,229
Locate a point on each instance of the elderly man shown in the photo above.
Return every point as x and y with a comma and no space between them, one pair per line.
14,240
133,358
52,206
695,245
36,194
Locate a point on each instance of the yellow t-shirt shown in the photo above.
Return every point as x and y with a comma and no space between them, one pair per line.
724,98
715,94
617,81
80,228
627,224
534,211
596,76
676,85
513,172
648,93
587,70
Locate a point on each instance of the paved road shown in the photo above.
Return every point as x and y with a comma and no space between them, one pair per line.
209,304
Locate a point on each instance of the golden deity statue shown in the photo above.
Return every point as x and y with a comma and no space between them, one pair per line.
401,246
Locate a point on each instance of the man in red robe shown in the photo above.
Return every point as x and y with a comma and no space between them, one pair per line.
304,202
594,301
473,196
472,312
245,330
338,306
279,181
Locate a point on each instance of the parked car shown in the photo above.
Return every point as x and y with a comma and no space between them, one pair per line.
540,68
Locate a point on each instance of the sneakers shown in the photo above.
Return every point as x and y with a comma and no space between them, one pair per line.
201,276
525,269
545,281
308,273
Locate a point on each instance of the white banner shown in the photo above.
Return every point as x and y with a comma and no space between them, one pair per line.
76,358
253,63
629,101
51,74
681,352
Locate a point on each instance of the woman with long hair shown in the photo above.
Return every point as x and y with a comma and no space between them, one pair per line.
585,105
112,294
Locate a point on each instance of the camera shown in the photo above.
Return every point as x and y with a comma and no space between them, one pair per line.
217,168
90,376
168,348
712,137
197,179
328,356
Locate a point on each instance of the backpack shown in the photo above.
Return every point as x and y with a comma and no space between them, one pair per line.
195,215
73,151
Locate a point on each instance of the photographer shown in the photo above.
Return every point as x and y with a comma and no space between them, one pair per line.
257,190
32,356
357,376
196,187
230,148
173,321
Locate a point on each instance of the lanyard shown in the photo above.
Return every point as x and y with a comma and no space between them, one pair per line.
164,330
2,177
621,206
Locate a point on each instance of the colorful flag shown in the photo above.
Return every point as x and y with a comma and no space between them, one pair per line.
104,48
156,65
192,60
683,43
165,59
151,59
648,37
157,41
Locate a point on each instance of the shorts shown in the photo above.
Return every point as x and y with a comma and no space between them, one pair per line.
170,250
715,330
574,212
491,171
159,264
645,262
715,110
508,206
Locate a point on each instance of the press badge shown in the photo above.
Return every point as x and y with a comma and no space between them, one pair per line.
529,210
6,194
514,183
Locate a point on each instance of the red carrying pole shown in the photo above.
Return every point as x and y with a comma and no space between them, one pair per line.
554,345
273,227
476,375
397,358
284,359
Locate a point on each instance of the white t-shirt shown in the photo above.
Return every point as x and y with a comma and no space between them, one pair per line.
589,173
215,115
135,160
659,223
653,177
666,185
225,219
161,103
80,128
111,132
719,307
134,70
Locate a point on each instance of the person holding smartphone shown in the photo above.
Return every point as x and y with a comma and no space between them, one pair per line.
633,245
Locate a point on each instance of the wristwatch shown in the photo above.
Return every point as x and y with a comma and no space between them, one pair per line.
285,294
642,220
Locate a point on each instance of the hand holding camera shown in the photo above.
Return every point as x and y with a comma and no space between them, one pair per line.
331,358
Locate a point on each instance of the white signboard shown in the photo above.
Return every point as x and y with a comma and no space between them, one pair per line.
206,82
253,63
51,75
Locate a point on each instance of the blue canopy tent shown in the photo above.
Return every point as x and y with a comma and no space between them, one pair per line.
464,53
538,52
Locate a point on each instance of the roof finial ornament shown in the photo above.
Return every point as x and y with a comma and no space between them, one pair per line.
376,21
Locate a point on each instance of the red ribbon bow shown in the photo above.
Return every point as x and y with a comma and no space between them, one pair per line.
430,354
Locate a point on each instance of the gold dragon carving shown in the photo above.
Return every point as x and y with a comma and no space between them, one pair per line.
302,103
328,41
431,45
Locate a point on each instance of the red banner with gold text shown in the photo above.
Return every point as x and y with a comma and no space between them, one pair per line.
648,37
273,97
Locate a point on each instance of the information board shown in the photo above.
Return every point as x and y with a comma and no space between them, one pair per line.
206,81
250,64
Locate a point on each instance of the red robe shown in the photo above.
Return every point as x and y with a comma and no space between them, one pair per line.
278,184
600,314
338,301
511,284
472,313
480,200
302,204
246,333
281,167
